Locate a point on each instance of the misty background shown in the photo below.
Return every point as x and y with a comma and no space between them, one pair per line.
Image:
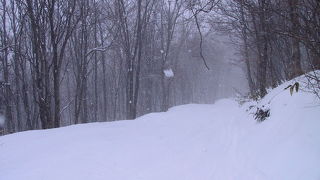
80,61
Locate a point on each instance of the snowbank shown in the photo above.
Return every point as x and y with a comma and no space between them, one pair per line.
191,142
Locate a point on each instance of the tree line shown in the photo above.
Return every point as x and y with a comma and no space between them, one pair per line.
78,61
279,40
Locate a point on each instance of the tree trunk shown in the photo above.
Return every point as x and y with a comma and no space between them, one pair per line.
295,65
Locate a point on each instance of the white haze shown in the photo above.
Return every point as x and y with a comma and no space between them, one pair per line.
1,120
226,76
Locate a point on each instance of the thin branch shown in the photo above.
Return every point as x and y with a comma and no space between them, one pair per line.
6,47
201,40
66,106
101,49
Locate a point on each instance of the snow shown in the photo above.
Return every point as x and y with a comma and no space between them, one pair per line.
168,73
190,142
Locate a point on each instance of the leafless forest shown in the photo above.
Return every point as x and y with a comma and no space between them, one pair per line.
66,62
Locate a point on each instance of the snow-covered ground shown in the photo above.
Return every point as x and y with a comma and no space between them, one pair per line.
190,142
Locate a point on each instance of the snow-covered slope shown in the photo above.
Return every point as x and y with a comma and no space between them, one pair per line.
191,142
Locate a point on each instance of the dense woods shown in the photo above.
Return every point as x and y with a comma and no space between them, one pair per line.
278,40
78,61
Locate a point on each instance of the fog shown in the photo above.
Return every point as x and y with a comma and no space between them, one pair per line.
72,62
102,67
